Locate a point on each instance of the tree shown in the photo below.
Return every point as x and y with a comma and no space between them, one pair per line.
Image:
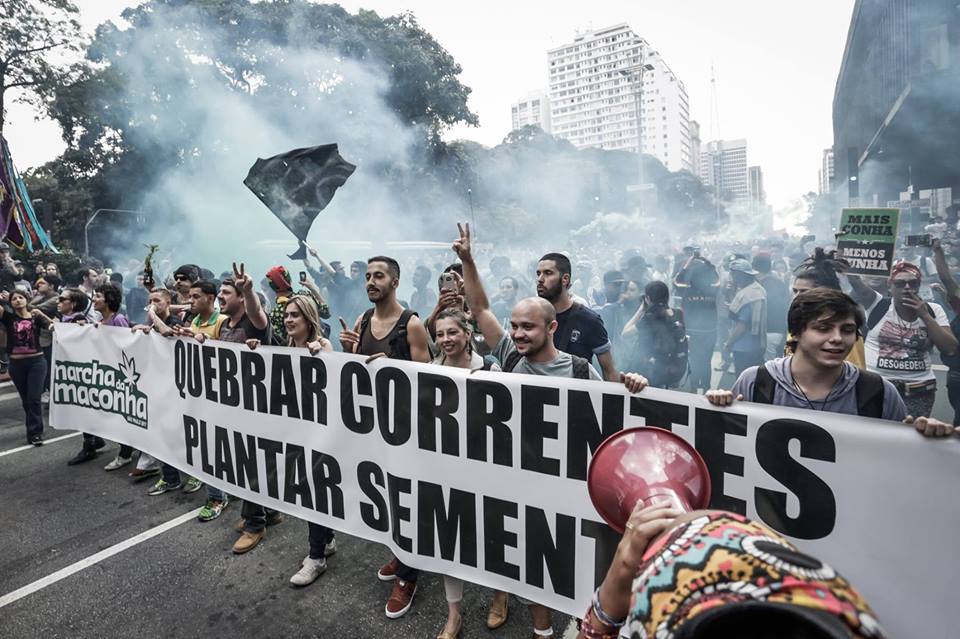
30,30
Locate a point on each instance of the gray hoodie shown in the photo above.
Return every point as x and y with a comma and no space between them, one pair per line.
843,398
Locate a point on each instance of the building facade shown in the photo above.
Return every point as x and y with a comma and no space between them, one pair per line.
723,167
826,173
596,96
534,108
895,117
695,147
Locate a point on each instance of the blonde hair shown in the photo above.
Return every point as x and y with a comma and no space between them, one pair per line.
308,308
461,319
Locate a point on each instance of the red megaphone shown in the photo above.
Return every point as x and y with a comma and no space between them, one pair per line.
646,464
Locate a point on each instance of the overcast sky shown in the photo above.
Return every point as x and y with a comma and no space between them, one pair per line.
776,65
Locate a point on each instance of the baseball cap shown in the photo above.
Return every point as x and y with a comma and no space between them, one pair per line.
742,266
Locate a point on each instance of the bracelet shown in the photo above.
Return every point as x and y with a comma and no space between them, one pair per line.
588,629
602,615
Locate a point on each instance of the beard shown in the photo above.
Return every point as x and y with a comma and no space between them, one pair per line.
551,294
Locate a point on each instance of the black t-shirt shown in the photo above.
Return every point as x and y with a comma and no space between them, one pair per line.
698,293
23,333
243,331
580,332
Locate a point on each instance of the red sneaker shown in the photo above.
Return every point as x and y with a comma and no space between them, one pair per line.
401,598
388,571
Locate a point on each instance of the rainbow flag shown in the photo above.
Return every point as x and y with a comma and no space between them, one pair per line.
18,220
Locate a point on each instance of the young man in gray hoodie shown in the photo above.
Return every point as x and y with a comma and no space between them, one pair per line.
825,324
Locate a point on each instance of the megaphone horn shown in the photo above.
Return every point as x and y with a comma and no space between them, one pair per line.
646,464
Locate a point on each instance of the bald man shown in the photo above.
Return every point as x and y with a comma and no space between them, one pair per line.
527,349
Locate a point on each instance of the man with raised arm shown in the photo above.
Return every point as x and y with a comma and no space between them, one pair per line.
528,348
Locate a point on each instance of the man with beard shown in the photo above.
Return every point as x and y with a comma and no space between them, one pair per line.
183,279
580,330
530,349
391,331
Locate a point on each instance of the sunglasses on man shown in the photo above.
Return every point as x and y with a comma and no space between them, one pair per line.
914,284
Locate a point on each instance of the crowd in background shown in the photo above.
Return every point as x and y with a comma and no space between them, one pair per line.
770,322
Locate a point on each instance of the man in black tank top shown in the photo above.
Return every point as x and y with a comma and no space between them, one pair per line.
392,331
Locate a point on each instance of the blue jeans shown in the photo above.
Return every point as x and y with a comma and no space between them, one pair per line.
170,474
28,375
215,494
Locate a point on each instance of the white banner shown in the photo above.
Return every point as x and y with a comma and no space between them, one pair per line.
482,476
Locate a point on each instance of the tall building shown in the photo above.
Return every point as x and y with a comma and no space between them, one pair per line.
723,166
534,108
695,144
826,171
758,196
895,116
595,91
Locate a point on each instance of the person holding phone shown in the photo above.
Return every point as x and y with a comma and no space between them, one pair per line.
901,331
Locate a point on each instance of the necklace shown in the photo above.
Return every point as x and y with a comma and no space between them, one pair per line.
824,402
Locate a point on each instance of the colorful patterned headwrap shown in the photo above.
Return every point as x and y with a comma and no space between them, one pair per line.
723,564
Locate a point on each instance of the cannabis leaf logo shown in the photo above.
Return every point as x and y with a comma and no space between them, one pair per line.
129,369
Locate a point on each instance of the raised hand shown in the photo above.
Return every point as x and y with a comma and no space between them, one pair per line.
461,246
253,343
349,339
243,281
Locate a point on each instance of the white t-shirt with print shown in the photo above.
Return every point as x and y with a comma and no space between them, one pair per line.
898,349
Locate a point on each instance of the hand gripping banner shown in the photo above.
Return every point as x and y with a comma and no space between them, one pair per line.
483,476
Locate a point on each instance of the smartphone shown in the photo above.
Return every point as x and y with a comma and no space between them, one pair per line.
303,276
919,240
448,282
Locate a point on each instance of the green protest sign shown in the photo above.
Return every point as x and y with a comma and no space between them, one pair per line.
866,238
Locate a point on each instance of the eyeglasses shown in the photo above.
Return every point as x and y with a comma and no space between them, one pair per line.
914,284
180,278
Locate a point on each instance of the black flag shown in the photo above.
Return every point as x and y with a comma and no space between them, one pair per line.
297,185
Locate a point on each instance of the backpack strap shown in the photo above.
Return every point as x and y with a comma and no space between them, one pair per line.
398,343
764,386
870,395
581,368
877,313
511,362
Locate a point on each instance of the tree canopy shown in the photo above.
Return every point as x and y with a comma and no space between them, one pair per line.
30,32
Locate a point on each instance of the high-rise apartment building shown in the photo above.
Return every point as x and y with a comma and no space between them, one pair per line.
723,166
596,94
695,144
826,171
534,108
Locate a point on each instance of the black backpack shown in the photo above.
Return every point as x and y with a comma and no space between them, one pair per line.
869,391
399,347
669,348
581,367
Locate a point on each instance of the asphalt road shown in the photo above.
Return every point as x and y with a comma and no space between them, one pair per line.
184,581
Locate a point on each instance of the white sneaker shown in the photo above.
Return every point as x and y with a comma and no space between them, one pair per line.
312,568
118,462
330,548
45,397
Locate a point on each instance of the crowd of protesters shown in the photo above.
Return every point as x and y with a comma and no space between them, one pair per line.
774,315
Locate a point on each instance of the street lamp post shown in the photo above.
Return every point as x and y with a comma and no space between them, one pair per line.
636,75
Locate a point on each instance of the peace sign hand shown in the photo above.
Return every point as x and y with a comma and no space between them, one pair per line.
461,246
243,281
